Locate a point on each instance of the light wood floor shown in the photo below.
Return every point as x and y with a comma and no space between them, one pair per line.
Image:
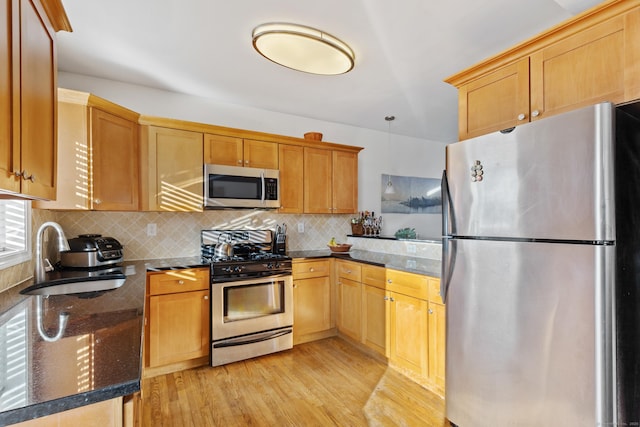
322,383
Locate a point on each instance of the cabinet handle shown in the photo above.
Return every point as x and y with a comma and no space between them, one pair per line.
17,174
31,177
97,201
386,298
348,271
389,281
430,311
521,116
391,299
180,282
535,113
206,297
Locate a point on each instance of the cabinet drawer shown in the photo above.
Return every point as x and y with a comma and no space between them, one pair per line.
373,276
308,269
410,284
434,290
174,281
349,270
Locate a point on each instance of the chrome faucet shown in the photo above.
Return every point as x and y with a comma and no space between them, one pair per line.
63,245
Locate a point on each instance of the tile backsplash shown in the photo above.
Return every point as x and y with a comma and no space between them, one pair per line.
178,233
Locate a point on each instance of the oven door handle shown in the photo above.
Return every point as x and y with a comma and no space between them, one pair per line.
252,339
239,282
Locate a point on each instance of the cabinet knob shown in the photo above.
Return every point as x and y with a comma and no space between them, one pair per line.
348,271
521,116
391,299
386,298
180,282
97,201
430,311
206,297
311,269
246,162
535,113
239,161
17,174
26,177
389,281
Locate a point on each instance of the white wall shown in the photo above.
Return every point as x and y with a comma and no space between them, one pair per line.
383,154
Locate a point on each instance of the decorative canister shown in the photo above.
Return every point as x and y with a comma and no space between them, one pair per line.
356,229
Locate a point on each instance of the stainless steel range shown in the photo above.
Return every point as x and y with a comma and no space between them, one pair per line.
251,295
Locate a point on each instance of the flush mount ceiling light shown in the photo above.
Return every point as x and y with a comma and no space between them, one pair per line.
303,48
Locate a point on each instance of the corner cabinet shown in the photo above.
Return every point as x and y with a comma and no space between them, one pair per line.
98,155
28,103
171,167
593,57
177,323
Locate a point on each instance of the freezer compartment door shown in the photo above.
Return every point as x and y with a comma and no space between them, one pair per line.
529,335
550,179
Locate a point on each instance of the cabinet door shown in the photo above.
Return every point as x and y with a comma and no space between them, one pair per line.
260,154
178,327
175,173
37,155
436,324
223,150
496,101
317,180
311,306
584,69
350,300
345,182
407,336
9,100
291,161
114,157
373,318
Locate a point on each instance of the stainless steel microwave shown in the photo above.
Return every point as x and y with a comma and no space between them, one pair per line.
240,187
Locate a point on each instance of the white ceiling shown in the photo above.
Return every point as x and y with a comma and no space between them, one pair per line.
403,51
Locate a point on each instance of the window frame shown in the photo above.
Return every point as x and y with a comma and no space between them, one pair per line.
15,256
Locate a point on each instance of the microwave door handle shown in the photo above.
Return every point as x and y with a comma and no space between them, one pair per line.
263,187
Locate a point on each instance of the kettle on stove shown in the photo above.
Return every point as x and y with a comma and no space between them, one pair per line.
224,249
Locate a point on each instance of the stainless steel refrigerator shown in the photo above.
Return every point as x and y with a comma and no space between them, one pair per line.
541,272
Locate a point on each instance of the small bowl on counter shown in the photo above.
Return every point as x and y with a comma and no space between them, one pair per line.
342,247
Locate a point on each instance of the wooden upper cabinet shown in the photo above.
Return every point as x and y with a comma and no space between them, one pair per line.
344,181
28,106
172,162
291,178
584,69
496,101
593,57
317,180
98,155
233,151
330,181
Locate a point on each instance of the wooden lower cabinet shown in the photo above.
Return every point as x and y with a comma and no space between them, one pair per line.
407,333
313,295
108,413
177,323
373,318
350,308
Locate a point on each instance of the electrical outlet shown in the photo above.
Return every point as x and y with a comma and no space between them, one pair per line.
152,230
301,227
411,249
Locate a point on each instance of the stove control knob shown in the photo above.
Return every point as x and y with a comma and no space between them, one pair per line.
269,266
237,269
227,269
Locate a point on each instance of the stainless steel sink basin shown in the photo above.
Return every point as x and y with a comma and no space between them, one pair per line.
76,284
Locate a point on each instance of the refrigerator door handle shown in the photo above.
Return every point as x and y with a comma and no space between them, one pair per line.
448,221
448,247
448,261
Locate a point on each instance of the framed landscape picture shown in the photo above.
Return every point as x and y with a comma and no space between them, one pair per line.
410,195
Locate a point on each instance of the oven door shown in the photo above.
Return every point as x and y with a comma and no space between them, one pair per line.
249,306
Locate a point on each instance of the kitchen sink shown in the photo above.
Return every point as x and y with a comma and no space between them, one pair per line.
62,283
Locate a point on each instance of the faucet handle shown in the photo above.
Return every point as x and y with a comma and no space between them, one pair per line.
48,266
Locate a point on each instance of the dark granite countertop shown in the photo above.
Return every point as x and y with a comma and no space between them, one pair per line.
96,358
98,355
428,267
